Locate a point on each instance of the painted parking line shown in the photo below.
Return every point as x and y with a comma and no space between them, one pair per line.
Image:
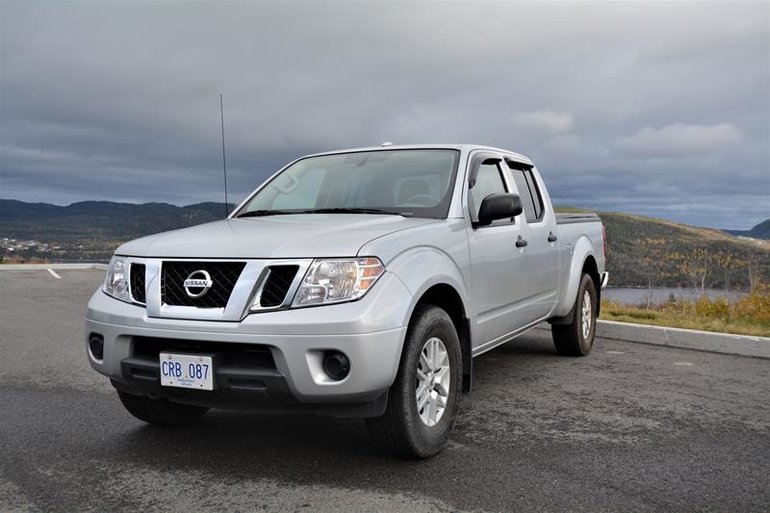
684,364
53,273
615,352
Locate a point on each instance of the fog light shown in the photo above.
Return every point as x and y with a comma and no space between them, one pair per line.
336,365
96,346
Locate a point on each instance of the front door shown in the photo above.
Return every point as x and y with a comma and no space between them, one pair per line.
498,289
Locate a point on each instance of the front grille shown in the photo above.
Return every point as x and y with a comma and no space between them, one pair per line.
229,354
277,285
137,283
224,276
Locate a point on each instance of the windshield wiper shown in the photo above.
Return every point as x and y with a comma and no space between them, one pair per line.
260,213
354,211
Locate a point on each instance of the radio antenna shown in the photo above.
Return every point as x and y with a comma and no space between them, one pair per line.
224,159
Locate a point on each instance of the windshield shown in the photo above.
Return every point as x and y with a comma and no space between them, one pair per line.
404,182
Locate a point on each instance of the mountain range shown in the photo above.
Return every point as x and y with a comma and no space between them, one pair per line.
760,231
99,219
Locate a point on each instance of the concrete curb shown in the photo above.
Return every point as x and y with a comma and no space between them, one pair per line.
725,343
32,267
744,345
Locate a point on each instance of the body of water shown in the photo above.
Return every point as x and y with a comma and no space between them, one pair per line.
635,296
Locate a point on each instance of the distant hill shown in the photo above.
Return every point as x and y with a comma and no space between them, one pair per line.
644,251
99,219
641,251
760,231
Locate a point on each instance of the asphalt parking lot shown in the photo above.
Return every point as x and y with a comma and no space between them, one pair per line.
629,428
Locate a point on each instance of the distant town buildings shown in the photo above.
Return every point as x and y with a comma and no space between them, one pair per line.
14,247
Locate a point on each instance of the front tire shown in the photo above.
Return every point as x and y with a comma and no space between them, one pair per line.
577,337
161,412
424,400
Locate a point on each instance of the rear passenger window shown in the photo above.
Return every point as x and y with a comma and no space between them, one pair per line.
531,200
526,197
537,199
488,181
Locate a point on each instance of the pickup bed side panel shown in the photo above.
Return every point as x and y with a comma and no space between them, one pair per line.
587,244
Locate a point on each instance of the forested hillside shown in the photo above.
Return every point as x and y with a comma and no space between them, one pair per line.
642,251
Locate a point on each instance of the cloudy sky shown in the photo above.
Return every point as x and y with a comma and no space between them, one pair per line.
662,109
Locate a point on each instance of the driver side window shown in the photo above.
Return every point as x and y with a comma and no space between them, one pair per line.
488,180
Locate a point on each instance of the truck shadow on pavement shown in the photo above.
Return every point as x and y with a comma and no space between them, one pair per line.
303,447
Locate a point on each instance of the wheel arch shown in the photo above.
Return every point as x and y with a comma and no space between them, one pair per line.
583,261
447,298
591,268
435,277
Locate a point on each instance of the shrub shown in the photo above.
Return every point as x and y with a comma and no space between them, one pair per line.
749,316
713,308
756,306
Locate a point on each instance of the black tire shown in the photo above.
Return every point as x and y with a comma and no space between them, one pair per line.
401,430
161,412
569,338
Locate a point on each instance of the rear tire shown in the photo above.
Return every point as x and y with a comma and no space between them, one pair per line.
424,399
577,337
161,412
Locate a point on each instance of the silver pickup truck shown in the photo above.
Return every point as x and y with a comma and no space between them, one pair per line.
357,283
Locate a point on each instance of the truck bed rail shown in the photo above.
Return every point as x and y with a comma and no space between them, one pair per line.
571,218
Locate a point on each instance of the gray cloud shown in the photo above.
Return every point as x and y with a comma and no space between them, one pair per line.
655,108
679,139
546,120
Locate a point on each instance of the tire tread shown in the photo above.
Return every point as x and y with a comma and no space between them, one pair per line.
395,431
567,337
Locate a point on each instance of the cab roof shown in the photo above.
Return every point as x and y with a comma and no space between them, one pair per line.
464,148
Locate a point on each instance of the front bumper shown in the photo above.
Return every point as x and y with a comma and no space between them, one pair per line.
370,332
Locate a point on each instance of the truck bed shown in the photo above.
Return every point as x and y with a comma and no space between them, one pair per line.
571,218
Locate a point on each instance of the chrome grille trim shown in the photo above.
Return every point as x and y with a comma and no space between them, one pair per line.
277,287
224,276
244,297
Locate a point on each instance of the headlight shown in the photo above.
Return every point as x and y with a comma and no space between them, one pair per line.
337,280
116,281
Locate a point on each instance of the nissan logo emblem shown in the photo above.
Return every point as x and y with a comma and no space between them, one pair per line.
198,283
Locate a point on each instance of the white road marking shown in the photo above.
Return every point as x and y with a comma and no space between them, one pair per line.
615,352
684,364
53,273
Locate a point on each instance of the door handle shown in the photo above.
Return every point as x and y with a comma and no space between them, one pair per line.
552,237
520,243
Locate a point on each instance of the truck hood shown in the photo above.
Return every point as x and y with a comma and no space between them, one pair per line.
287,236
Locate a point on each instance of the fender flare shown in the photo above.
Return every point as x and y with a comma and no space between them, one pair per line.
421,268
564,310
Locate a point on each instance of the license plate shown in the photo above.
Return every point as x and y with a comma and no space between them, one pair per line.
186,371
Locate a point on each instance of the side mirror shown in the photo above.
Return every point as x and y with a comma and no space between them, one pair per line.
498,206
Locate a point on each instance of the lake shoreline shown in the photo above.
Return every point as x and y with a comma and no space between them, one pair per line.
645,295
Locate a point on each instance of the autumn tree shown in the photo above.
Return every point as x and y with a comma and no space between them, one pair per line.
696,265
727,263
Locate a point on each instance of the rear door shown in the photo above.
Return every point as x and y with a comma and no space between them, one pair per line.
499,287
542,255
